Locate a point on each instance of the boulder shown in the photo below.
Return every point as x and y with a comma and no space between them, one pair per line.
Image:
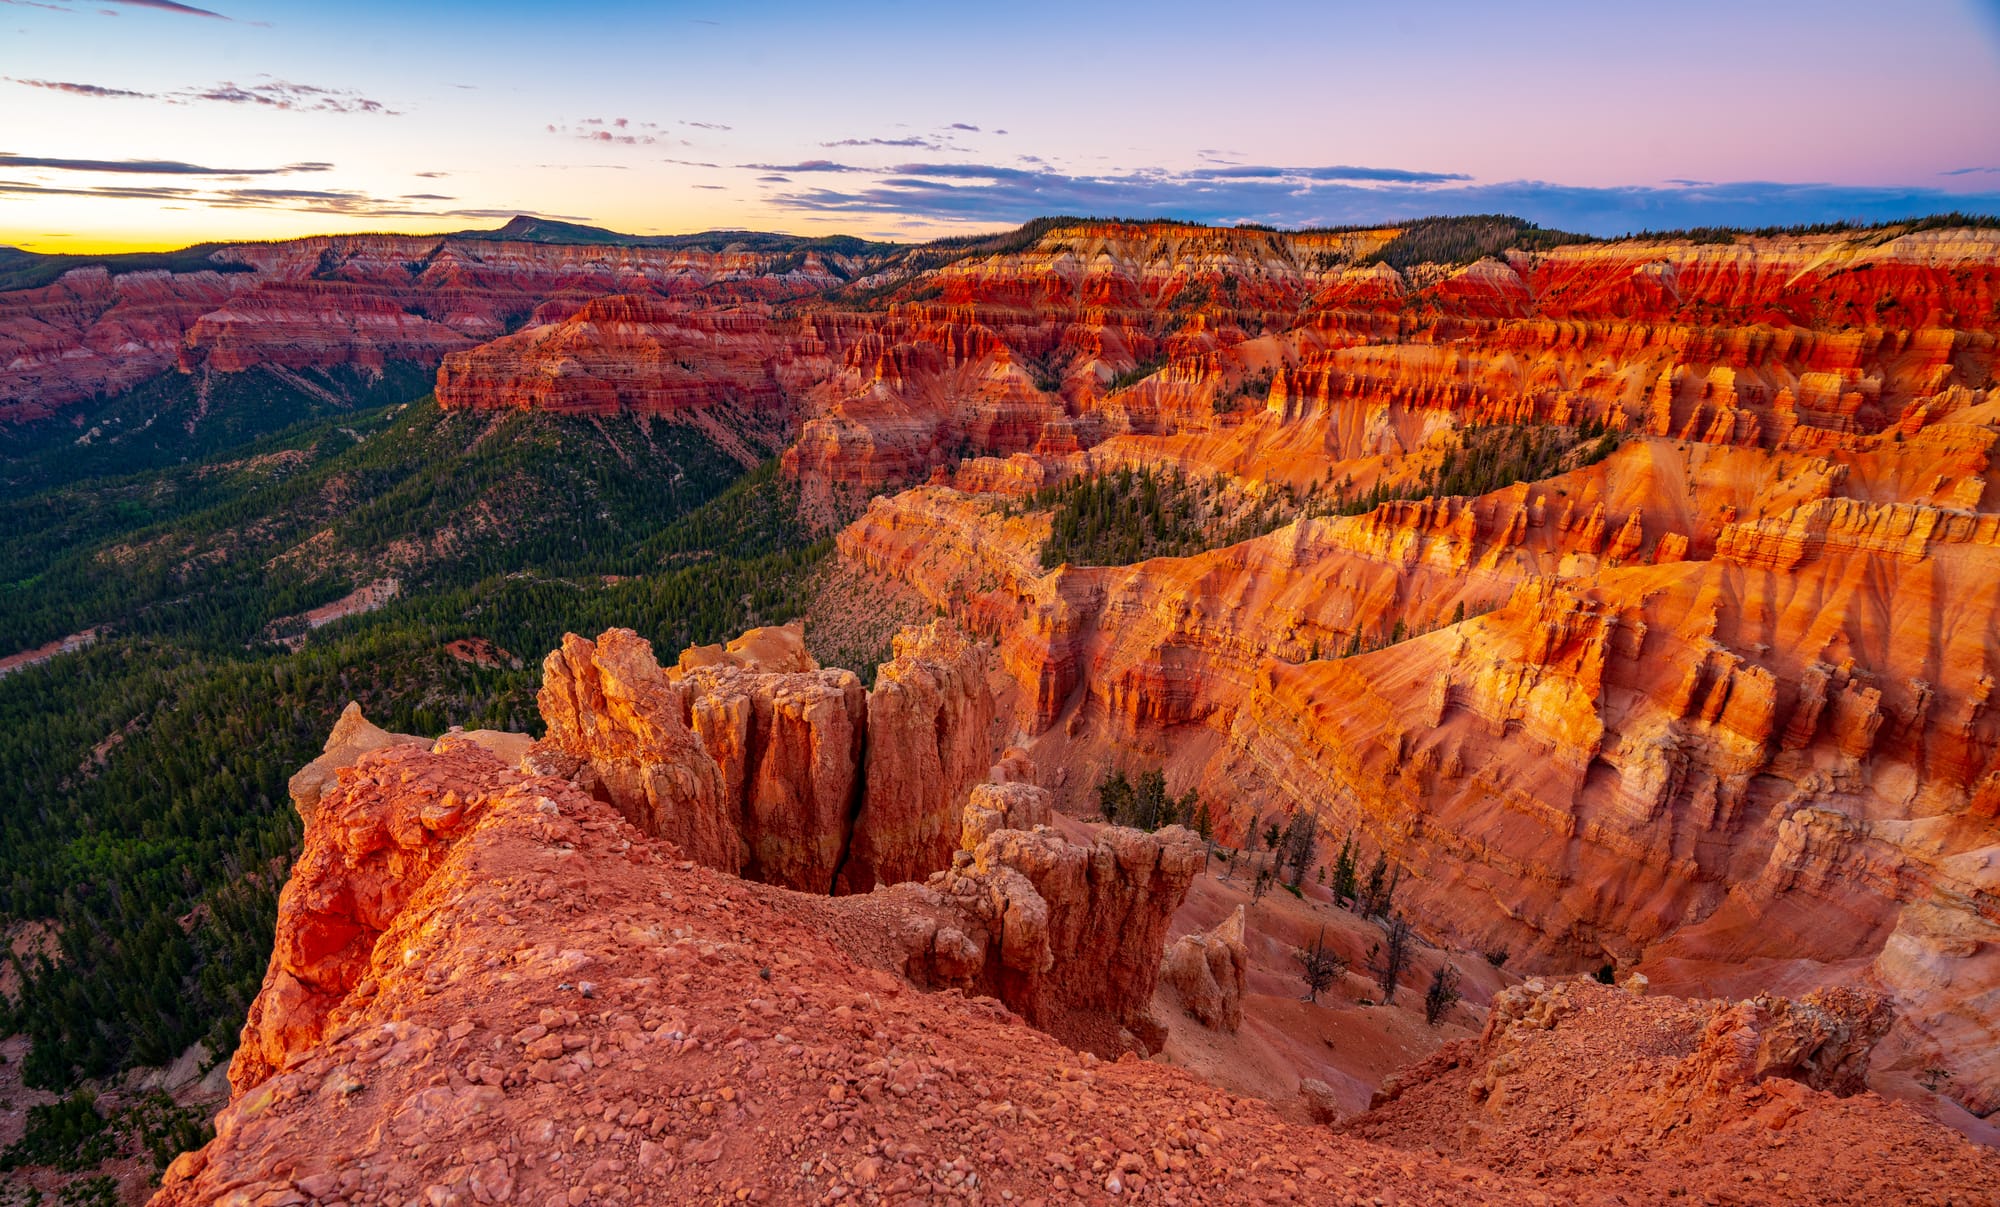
1208,973
353,736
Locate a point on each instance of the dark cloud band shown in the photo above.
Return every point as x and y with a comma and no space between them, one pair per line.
148,167
1334,196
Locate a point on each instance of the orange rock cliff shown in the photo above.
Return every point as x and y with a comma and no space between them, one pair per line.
1713,706
490,985
1635,599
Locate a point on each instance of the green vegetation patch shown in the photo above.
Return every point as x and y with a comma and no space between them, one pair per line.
148,819
1466,240
32,270
1128,515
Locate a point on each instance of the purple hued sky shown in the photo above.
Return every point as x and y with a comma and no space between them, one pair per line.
151,123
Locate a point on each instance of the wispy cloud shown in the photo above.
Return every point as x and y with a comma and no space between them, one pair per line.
148,167
75,89
1339,195
913,141
131,192
804,165
169,6
342,202
283,94
627,132
267,92
1971,172
1338,172
612,131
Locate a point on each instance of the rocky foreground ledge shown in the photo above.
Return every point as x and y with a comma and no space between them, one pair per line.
491,986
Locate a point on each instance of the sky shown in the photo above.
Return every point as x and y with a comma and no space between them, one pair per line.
137,124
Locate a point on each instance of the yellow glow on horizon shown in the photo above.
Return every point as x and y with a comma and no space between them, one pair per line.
235,226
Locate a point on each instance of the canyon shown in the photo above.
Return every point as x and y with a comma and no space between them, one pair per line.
490,985
1634,599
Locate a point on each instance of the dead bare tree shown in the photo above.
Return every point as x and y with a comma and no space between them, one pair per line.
1392,956
1318,967
1442,995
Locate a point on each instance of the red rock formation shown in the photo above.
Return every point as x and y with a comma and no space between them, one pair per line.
314,324
621,729
779,649
1579,1086
530,1000
788,748
758,763
638,353
1687,763
352,737
377,837
1208,971
91,333
1005,805
930,721
1021,915
1732,345
343,300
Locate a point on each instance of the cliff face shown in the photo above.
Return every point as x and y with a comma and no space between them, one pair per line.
1710,683
1716,700
346,300
1021,914
752,759
91,333
930,721
640,353
489,986
1780,751
1276,356
372,845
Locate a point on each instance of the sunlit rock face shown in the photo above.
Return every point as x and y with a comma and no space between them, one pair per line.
1717,699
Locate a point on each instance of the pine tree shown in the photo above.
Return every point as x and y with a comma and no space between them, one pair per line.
1150,800
1442,995
1372,901
1114,797
1200,820
1343,873
1394,957
1301,843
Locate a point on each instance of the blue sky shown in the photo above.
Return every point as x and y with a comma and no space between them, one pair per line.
153,124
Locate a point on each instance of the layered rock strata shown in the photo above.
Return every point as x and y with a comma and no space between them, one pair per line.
1021,912
516,995
1768,739
352,300
757,762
